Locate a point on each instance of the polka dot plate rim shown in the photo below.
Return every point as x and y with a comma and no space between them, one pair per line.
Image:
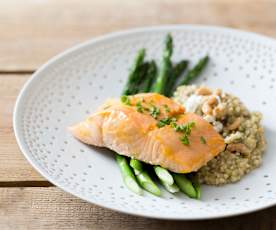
71,85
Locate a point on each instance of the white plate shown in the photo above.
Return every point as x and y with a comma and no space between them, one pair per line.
71,85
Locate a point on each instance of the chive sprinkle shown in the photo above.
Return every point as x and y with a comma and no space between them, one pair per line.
154,111
202,140
163,122
184,139
185,129
166,107
125,100
139,107
166,121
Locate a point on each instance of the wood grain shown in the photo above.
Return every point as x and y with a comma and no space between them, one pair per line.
13,165
51,208
33,31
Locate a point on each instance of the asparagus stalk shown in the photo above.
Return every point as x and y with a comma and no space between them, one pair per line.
128,176
137,73
163,174
162,78
194,72
134,73
142,72
160,87
177,70
149,77
185,185
196,184
130,88
143,178
136,164
170,188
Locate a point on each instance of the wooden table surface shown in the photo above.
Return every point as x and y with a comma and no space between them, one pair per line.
32,31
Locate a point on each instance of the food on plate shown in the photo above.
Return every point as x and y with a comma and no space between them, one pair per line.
241,129
198,136
154,129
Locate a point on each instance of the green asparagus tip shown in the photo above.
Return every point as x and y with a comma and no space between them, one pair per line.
136,164
152,188
134,76
168,46
164,175
195,71
128,176
146,182
132,185
165,67
170,188
196,184
185,185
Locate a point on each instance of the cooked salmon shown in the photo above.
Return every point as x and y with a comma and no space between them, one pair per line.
154,129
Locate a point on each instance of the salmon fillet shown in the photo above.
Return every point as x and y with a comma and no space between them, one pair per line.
132,128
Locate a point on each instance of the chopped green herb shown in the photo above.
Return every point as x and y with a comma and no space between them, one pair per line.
185,140
202,140
183,128
174,125
125,99
154,111
186,129
163,122
166,107
174,119
139,107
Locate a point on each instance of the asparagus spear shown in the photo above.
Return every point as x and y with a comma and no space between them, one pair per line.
136,164
149,77
162,78
130,88
134,73
191,188
160,87
137,73
128,175
163,175
177,70
196,184
142,73
143,178
170,188
185,185
194,72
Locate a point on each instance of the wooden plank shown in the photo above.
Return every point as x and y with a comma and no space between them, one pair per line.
51,208
33,31
13,165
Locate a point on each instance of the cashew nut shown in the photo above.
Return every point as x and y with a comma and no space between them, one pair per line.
219,111
203,91
218,92
238,147
206,109
212,101
235,124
